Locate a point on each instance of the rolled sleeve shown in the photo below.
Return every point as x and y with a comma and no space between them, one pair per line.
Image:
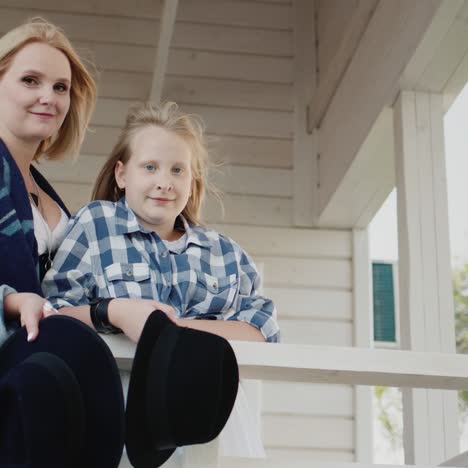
258,311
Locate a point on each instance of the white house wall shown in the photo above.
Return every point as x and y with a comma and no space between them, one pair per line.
231,62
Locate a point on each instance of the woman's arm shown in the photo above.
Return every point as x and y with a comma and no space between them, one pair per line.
29,308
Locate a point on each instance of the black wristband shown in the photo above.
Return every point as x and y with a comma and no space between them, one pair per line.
98,311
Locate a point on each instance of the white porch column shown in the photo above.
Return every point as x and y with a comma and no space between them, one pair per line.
426,304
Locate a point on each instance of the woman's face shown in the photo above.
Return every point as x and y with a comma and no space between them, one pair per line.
34,94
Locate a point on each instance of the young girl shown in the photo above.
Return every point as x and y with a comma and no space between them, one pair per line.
141,245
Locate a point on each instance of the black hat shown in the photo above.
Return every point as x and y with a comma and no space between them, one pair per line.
61,400
182,389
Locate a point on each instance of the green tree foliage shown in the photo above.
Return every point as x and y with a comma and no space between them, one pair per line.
388,406
460,299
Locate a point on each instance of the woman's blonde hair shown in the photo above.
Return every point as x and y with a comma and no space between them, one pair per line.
169,117
83,89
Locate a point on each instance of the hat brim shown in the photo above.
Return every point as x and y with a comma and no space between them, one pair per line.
152,420
97,374
139,444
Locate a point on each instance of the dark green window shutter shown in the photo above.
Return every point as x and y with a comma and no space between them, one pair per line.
384,302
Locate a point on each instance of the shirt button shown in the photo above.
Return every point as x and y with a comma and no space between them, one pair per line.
164,255
215,285
129,273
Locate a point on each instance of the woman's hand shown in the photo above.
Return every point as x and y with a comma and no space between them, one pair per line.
31,308
130,315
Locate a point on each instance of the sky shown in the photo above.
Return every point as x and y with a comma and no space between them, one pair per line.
383,228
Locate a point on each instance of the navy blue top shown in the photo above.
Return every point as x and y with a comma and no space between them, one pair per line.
19,260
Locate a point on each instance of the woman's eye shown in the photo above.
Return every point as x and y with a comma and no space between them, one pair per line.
149,168
177,170
61,87
29,80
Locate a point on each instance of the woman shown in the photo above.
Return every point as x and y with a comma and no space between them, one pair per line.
46,100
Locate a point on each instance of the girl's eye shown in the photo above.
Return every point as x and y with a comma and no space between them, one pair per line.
29,80
61,87
149,168
177,170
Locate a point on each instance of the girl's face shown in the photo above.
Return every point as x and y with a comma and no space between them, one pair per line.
34,94
157,178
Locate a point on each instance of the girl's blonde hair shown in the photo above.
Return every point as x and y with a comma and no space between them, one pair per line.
83,89
167,116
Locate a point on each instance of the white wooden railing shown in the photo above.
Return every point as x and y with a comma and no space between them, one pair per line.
335,365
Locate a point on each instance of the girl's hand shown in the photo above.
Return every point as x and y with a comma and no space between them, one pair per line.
31,309
130,315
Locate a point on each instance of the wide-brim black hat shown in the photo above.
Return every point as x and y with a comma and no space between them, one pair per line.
183,386
70,361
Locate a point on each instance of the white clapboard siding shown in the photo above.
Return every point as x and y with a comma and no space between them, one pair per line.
228,93
126,57
301,432
145,32
305,272
219,120
291,458
311,303
97,28
254,181
241,209
82,171
247,151
290,242
308,399
224,12
74,195
316,332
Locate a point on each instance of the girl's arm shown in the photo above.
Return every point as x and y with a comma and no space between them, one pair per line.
231,330
251,317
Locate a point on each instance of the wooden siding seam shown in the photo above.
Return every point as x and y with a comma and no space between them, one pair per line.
314,318
44,12
321,287
224,52
310,448
214,78
235,26
308,417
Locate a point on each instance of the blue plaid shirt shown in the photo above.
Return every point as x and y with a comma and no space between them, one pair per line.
107,253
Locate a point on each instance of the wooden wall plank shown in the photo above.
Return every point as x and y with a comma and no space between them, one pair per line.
249,151
126,57
253,151
220,120
74,195
307,432
237,66
290,242
224,12
310,303
254,181
316,332
224,92
233,39
304,272
309,399
146,32
142,8
240,209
